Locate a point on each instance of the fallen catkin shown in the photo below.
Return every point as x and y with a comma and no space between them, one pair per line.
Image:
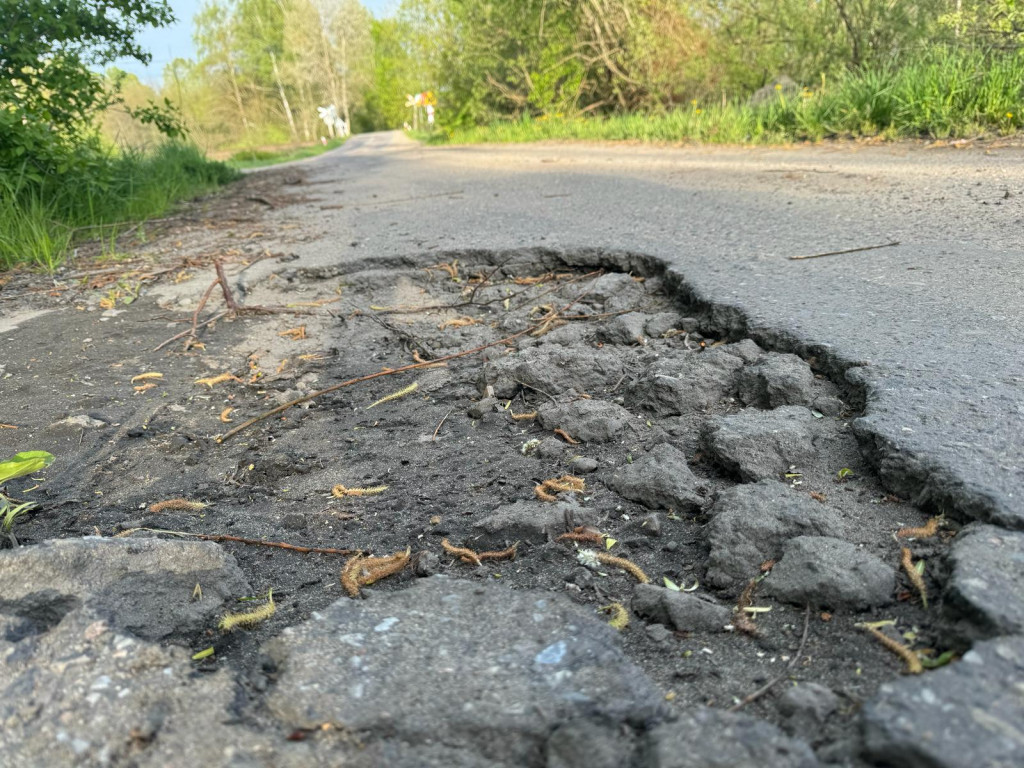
914,666
593,559
742,621
926,531
464,554
177,504
360,571
395,395
340,491
619,615
251,618
907,561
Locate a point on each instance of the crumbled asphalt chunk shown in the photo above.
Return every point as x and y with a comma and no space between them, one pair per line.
659,479
746,349
966,714
712,738
550,448
589,421
661,323
613,292
751,523
689,383
143,586
552,369
483,666
806,706
685,611
589,743
757,445
822,571
651,525
85,694
624,329
983,596
480,409
583,464
536,520
776,380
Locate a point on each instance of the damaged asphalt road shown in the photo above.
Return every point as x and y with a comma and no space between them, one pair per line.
786,452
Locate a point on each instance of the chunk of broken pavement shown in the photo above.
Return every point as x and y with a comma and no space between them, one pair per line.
968,714
590,421
624,329
494,670
141,585
660,479
776,380
553,370
687,383
713,738
983,596
757,445
825,572
685,611
536,520
750,524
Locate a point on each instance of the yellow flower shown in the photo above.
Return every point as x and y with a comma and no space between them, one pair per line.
694,102
778,86
1009,115
697,111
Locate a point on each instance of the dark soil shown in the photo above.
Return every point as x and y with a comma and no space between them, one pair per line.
445,470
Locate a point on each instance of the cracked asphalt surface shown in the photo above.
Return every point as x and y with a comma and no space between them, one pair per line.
932,330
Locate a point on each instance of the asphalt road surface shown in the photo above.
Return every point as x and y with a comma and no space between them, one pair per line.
931,331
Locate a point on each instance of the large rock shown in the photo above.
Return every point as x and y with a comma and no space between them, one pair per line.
777,380
967,715
758,445
478,666
712,738
983,596
685,611
84,694
553,370
592,421
831,573
614,292
690,383
144,586
536,520
750,524
660,479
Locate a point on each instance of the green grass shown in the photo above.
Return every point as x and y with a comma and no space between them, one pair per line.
945,94
100,195
258,158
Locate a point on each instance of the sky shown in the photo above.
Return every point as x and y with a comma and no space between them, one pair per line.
175,41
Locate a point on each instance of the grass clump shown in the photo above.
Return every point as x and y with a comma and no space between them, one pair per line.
93,195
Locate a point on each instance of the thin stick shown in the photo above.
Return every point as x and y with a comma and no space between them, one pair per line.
224,287
441,424
203,324
251,542
199,308
848,250
789,668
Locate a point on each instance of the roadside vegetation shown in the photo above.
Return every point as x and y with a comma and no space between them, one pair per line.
259,158
61,182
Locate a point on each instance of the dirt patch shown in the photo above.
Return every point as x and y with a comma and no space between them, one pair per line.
699,457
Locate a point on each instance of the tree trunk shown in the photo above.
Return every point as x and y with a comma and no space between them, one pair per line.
238,94
344,83
284,98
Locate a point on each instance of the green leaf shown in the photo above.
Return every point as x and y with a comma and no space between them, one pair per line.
203,654
24,464
670,584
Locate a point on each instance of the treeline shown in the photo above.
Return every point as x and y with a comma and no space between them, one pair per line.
265,65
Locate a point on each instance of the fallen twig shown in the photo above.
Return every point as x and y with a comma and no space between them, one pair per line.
441,424
789,668
220,537
848,250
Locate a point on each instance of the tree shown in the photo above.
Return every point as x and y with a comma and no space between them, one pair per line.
50,89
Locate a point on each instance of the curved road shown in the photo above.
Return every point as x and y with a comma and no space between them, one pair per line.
932,330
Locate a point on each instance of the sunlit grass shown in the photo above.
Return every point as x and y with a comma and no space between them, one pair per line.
41,221
258,158
944,95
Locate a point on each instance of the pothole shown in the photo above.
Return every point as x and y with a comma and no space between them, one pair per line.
728,473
